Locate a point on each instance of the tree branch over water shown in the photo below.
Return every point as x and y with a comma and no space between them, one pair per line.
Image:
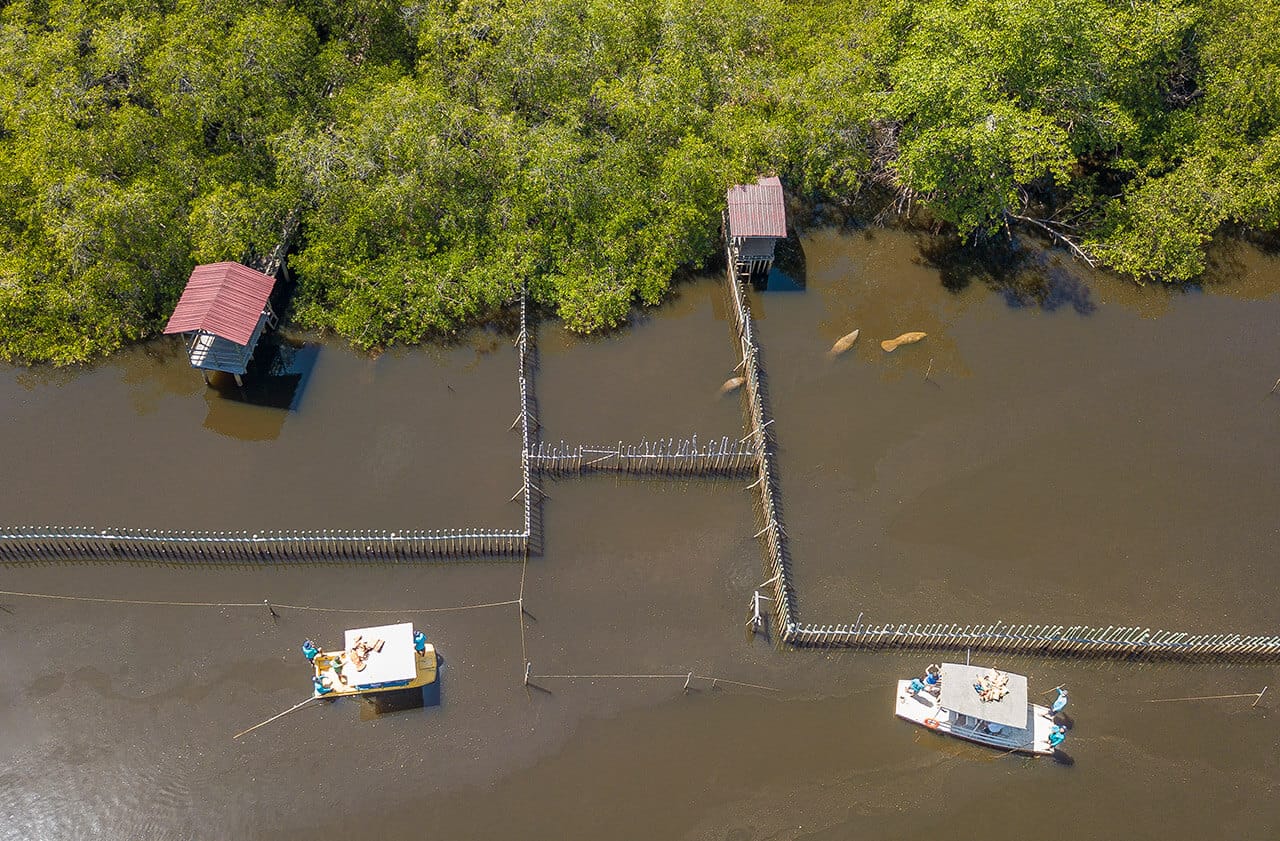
1054,229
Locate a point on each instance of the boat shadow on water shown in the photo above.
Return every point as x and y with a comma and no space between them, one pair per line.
426,697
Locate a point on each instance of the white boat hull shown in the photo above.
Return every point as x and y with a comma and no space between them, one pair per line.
922,708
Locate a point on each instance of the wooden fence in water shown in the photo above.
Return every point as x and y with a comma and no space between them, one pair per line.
777,563
670,456
69,543
1038,640
79,543
524,371
1058,640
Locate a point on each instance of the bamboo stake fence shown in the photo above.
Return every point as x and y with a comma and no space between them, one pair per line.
1060,640
524,365
79,543
777,562
1039,639
669,456
46,543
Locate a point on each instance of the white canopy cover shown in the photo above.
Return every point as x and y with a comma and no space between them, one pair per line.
958,694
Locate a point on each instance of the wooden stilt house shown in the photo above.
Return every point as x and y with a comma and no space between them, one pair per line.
756,220
223,312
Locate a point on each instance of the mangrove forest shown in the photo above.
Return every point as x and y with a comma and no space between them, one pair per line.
435,156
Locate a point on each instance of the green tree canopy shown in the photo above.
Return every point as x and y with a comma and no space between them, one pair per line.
440,153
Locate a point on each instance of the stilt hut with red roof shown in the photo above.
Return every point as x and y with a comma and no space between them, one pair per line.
223,312
756,220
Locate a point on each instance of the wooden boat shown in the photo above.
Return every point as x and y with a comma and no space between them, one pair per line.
379,659
981,705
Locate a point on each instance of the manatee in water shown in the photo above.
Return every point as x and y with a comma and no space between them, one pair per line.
843,344
730,385
905,339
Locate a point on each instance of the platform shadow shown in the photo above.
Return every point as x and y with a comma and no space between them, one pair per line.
275,382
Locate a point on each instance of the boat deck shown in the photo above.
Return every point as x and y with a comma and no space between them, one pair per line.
923,708
338,664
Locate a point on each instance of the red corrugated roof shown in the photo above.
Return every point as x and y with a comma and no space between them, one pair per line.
756,210
225,299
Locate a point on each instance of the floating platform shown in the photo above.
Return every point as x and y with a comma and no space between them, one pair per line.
378,659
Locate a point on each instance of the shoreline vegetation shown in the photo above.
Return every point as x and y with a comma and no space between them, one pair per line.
439,153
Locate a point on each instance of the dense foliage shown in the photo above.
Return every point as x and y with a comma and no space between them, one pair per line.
438,153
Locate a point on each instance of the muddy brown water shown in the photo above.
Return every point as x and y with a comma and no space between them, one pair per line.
1080,450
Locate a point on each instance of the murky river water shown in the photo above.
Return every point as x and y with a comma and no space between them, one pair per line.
1061,447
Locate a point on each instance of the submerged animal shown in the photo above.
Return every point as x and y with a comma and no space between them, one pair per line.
891,345
843,344
731,385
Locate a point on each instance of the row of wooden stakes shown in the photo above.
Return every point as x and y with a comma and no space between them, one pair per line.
43,543
773,531
680,456
1035,639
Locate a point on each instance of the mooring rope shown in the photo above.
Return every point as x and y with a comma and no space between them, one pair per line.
269,604
610,677
524,651
1205,697
125,601
682,676
273,718
399,610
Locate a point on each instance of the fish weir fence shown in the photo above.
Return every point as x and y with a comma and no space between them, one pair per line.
70,543
1060,640
1052,640
777,562
23,544
525,362
27,544
670,456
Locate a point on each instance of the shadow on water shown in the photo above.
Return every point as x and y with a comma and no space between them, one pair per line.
1023,276
273,386
401,700
789,272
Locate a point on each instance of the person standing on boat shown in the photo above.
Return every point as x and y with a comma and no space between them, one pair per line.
1059,703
